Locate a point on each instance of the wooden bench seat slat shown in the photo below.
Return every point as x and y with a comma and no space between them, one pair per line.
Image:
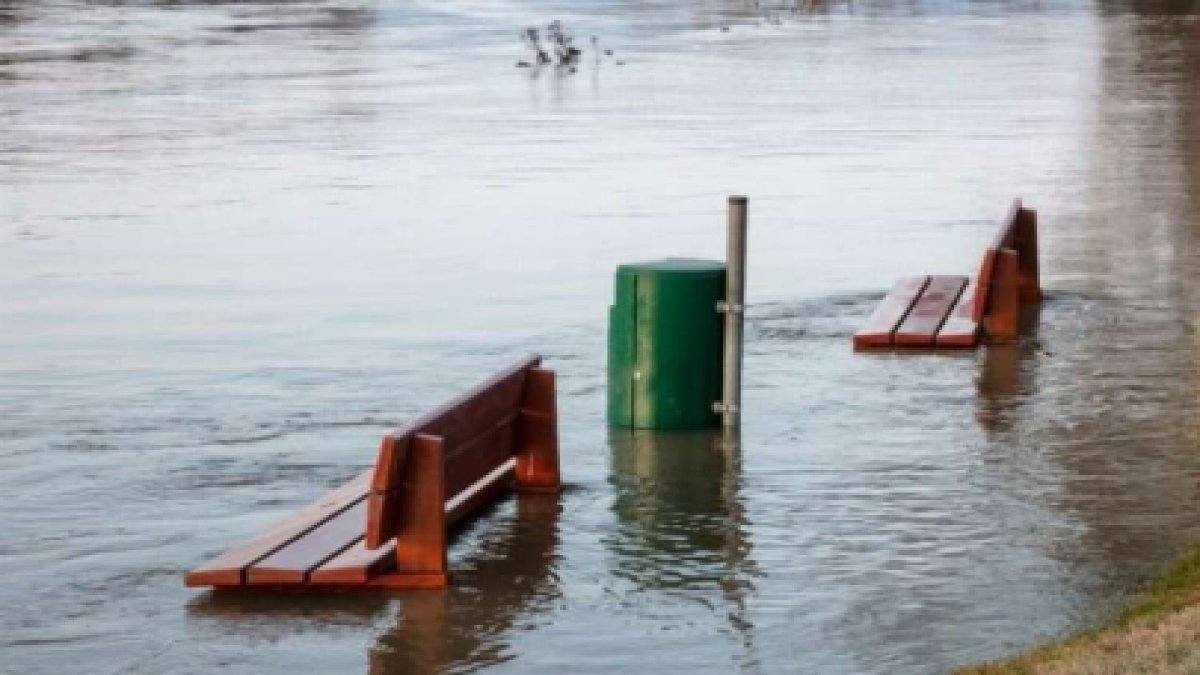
356,565
228,569
929,312
292,563
961,329
890,313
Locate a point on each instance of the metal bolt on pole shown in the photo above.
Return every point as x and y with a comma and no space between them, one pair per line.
734,305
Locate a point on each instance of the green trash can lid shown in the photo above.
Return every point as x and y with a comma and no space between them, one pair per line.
673,266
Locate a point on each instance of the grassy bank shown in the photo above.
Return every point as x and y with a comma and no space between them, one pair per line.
1158,633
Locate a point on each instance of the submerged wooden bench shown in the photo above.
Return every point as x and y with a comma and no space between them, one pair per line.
956,311
387,528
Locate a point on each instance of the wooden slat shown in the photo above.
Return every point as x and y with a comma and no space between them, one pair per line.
382,508
360,564
929,312
421,523
480,409
483,491
983,283
537,435
470,461
385,490
987,266
477,410
228,569
356,565
1004,302
464,466
890,313
960,328
292,563
458,422
1025,243
389,462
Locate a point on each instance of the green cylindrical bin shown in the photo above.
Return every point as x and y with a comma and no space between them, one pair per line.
664,345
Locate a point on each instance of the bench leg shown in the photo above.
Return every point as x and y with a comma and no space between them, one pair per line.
1003,303
1025,242
537,435
421,537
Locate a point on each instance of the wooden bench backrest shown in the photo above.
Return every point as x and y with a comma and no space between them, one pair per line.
475,432
1017,235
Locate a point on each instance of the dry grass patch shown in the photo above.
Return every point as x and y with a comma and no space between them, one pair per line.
1158,634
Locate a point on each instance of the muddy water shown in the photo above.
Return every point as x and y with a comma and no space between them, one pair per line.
238,241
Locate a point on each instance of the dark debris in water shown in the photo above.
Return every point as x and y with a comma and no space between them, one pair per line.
80,55
554,45
336,19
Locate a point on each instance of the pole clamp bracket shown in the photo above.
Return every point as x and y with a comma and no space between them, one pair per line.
722,407
726,308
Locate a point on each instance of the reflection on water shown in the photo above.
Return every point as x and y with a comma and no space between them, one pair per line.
504,585
258,612
239,240
681,521
1005,377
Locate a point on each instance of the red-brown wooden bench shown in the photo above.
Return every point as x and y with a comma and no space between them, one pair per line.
387,528
956,311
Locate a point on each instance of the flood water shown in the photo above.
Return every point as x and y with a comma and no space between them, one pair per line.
241,240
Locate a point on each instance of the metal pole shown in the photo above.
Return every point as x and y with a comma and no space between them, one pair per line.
735,296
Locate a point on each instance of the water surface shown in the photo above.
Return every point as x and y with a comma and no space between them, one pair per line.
239,241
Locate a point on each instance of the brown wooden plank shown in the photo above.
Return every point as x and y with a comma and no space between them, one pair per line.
292,563
481,408
385,490
987,267
475,411
960,328
537,435
1025,243
1004,303
356,565
382,510
483,491
460,421
359,564
929,312
389,462
465,465
421,531
983,284
890,313
228,569
470,461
